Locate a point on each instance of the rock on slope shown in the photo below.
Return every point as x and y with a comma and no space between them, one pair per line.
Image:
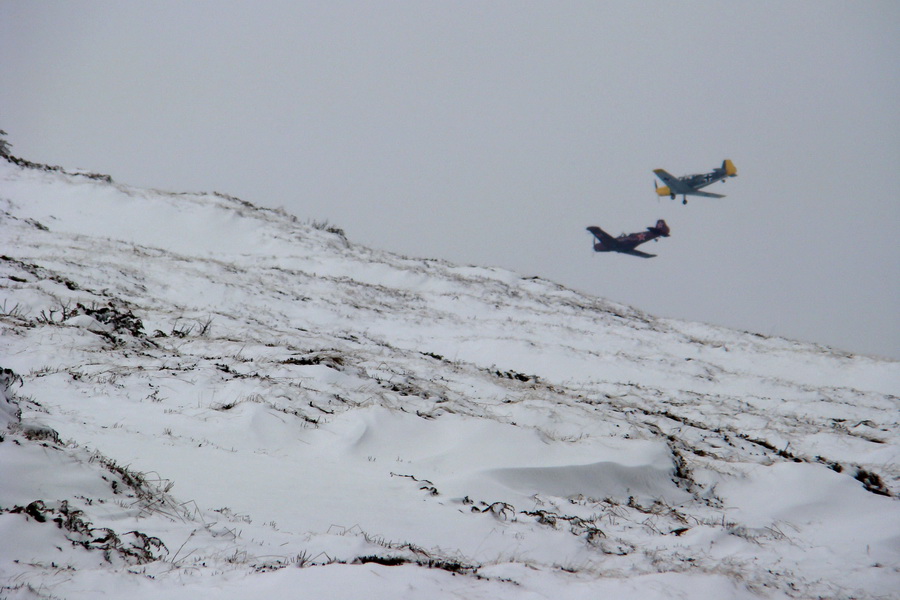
202,394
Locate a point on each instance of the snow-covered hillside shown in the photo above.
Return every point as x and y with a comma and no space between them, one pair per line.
202,397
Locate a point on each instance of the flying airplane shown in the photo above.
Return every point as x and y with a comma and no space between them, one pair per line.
690,185
626,244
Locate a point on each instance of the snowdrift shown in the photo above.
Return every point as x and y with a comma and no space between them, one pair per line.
201,396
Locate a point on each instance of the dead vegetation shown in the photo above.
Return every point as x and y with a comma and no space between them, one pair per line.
132,547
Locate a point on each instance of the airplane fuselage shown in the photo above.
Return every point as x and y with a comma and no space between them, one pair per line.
701,180
627,242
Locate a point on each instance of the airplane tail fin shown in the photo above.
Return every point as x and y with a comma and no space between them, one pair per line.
661,228
729,167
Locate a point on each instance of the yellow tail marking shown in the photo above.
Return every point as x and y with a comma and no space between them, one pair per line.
730,169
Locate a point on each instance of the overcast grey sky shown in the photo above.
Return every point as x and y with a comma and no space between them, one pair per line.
493,133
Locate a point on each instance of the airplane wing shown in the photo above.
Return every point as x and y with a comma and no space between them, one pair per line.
706,194
637,253
602,236
675,185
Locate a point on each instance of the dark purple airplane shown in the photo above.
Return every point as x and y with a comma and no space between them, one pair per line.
626,244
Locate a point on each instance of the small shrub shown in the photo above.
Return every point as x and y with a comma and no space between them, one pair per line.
133,547
59,314
872,482
325,226
515,375
120,320
388,561
4,145
184,329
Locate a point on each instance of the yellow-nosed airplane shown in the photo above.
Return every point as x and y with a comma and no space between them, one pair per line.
690,185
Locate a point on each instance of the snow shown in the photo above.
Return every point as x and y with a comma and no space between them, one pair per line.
203,397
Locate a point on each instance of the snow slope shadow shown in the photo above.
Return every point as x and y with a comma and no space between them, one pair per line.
602,480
